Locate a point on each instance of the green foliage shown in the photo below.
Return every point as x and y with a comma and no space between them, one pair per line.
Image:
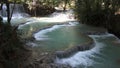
12,50
96,12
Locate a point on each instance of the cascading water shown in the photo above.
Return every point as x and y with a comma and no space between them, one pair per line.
105,54
101,56
18,11
3,11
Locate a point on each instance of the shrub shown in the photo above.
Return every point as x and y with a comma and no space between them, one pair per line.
13,52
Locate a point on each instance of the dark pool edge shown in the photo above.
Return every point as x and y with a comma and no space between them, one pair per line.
71,51
87,46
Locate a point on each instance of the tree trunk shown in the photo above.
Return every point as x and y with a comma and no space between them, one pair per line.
8,11
12,10
9,14
65,4
1,6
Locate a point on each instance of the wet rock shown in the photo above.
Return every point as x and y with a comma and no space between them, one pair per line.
46,61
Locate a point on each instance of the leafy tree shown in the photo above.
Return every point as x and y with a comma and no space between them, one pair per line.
96,12
13,52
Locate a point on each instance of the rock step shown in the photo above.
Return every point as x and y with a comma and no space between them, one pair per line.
73,50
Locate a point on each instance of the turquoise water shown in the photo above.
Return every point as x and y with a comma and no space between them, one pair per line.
52,36
105,54
60,37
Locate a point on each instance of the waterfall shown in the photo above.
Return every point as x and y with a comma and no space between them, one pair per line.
3,11
17,12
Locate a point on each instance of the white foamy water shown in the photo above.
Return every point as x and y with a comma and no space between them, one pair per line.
31,44
93,57
58,17
41,34
29,21
83,58
20,26
62,17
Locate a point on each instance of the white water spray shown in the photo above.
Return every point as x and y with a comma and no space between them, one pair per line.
83,58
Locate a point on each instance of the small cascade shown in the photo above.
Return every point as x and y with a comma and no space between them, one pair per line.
62,16
82,58
3,12
75,49
97,57
17,12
